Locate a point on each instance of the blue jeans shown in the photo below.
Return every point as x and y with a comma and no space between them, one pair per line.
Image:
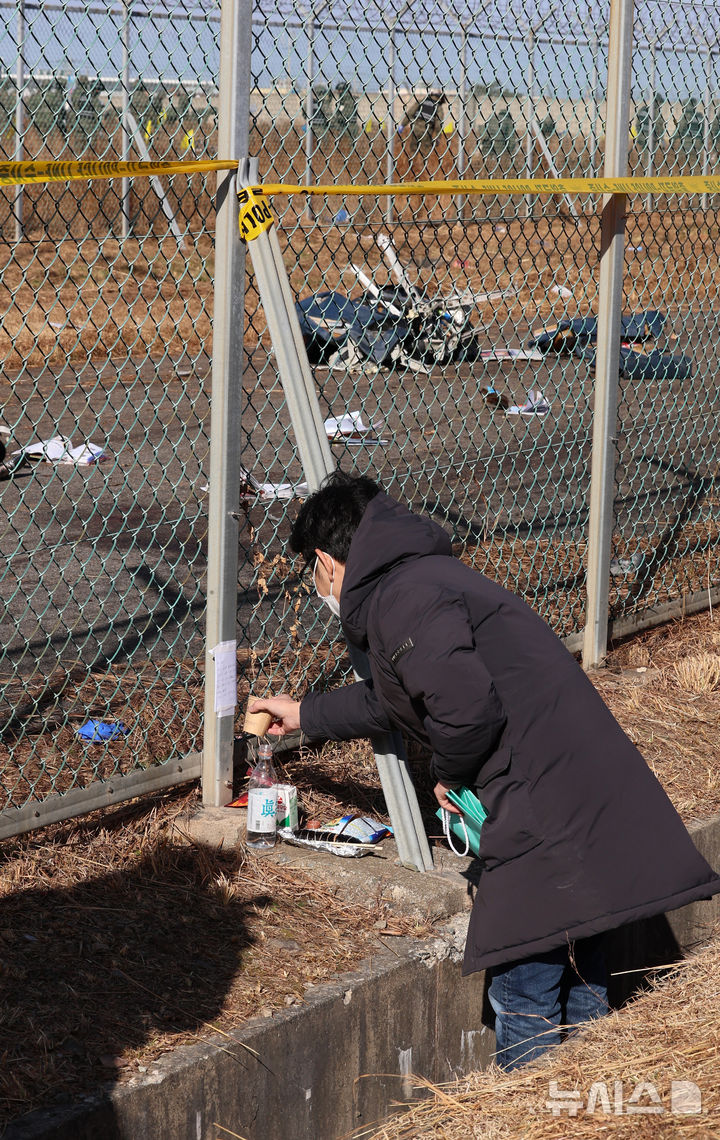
536,1000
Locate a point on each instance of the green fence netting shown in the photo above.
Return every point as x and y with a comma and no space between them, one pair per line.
472,397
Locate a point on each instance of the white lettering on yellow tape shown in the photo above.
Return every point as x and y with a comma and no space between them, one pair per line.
18,173
690,184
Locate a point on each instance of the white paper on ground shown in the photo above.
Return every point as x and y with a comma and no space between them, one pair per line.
281,490
351,423
536,405
225,658
350,427
59,450
269,491
510,354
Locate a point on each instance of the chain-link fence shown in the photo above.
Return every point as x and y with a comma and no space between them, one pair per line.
106,303
453,338
495,297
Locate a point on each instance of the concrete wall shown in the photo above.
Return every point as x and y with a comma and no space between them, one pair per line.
394,1017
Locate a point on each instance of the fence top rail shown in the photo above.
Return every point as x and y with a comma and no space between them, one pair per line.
503,19
695,28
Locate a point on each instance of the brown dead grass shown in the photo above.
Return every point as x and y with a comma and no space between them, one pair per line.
657,686
41,753
147,296
700,674
120,939
111,300
671,1033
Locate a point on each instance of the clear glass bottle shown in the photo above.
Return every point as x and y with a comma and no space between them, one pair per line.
262,802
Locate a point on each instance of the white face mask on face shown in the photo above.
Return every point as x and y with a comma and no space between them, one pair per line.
332,603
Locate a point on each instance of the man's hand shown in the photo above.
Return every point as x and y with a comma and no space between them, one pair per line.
284,711
441,791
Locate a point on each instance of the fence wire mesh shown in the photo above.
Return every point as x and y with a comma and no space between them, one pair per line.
106,304
483,291
458,329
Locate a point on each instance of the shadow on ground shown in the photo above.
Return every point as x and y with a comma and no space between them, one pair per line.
101,969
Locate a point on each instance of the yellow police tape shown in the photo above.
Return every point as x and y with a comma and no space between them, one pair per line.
690,184
22,173
19,173
254,216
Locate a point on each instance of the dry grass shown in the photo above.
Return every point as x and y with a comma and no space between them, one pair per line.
41,753
121,939
699,674
145,295
657,686
112,299
671,1033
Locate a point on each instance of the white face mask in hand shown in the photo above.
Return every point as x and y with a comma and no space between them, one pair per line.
332,603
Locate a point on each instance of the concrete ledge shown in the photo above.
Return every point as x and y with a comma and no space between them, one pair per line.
342,1059
435,894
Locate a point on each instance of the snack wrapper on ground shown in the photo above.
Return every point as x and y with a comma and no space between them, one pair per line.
350,850
362,828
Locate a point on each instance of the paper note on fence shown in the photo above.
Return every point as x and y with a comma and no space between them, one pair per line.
225,659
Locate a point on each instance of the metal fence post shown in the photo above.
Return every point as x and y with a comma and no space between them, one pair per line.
124,113
608,342
317,460
227,368
650,168
19,115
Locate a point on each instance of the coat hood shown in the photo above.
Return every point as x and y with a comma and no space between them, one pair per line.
388,535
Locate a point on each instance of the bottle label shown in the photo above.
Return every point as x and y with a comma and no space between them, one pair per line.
262,809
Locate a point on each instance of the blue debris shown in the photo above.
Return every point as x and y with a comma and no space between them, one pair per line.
97,731
578,337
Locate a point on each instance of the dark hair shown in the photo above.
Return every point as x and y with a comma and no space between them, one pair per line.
329,518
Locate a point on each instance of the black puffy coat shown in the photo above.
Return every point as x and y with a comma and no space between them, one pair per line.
579,837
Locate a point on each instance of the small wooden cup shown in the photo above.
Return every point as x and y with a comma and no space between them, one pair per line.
257,723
